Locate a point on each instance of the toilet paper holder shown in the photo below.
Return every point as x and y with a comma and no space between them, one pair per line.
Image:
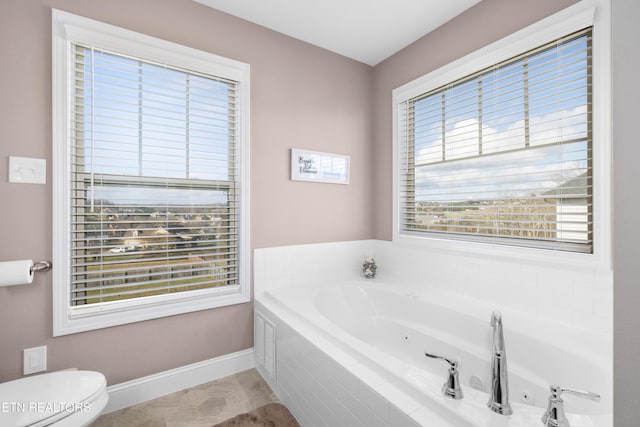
41,266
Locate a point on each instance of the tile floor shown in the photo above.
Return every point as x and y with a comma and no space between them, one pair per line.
200,406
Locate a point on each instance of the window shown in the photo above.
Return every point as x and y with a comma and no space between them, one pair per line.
503,155
152,179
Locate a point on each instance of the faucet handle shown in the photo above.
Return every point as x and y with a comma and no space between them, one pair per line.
556,391
554,415
451,387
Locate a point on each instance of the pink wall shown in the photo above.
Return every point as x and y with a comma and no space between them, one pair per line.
301,96
486,22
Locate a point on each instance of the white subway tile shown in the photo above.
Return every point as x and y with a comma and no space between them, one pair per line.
582,306
602,290
378,422
555,311
348,381
347,418
359,410
398,418
603,308
376,403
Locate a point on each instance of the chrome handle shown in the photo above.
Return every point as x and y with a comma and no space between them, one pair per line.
556,391
554,416
451,387
453,363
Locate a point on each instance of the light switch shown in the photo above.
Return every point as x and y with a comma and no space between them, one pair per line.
24,170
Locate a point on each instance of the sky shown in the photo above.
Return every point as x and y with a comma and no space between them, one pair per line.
507,132
147,120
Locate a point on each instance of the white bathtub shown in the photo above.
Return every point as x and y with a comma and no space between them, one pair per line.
387,330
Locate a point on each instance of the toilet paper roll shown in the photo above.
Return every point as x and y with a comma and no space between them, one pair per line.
16,272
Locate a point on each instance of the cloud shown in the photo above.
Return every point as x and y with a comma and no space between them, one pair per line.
506,167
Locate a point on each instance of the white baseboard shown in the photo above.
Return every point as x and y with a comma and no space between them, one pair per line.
146,388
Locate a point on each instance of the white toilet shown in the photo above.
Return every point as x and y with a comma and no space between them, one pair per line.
57,399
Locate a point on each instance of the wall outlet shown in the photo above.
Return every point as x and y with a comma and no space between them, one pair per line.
35,360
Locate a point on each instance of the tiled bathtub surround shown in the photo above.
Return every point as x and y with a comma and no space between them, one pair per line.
580,297
328,388
324,384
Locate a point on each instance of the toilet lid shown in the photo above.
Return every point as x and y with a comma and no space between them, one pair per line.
28,401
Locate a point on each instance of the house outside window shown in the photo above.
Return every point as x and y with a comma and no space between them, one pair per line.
151,177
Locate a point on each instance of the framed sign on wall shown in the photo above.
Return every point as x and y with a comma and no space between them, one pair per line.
316,166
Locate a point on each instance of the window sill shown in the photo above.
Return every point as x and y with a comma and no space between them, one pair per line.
91,317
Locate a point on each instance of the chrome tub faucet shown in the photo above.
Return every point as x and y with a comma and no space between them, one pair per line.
451,387
499,399
554,416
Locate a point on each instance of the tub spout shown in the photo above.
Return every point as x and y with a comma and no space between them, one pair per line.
499,399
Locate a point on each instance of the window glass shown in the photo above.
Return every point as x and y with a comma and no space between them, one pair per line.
504,155
153,180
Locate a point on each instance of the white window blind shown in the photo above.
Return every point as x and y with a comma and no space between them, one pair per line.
154,179
504,155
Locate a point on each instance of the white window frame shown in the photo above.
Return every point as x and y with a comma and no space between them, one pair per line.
586,13
66,29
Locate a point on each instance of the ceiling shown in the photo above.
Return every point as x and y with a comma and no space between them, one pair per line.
368,31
